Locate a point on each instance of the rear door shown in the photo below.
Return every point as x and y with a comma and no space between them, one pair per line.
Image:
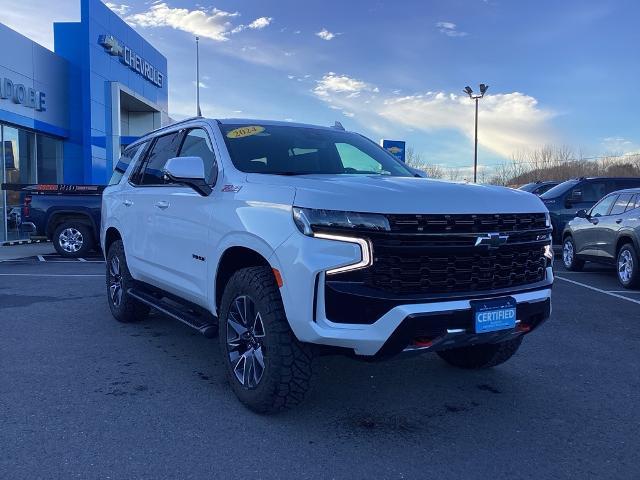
149,190
610,225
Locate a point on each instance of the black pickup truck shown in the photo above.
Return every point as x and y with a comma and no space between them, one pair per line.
68,215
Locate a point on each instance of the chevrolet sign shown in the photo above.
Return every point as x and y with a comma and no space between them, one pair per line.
128,57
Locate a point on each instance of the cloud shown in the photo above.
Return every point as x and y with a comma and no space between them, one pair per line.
257,24
325,34
333,83
619,145
260,23
450,29
213,23
508,122
120,8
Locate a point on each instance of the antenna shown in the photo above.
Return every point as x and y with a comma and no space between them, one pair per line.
338,126
199,112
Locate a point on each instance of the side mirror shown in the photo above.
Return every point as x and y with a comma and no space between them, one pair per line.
187,171
582,214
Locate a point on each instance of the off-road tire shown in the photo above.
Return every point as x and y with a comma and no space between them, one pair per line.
88,242
576,264
477,357
287,362
128,309
634,280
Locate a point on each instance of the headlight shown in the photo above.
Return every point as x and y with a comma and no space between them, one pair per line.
308,218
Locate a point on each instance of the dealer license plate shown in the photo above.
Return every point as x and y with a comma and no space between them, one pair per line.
495,314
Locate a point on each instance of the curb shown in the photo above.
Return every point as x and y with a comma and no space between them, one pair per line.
21,242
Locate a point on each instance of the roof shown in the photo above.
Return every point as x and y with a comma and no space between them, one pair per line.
251,121
628,190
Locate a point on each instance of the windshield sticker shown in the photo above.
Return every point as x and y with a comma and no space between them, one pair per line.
245,131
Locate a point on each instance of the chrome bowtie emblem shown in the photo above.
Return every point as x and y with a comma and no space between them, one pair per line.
491,240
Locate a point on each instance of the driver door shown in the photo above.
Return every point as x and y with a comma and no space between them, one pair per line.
588,239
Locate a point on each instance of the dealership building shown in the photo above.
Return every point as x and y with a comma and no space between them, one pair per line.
66,115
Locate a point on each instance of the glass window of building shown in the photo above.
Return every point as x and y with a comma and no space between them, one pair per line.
49,159
26,157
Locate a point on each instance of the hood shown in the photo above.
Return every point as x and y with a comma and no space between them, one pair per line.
385,194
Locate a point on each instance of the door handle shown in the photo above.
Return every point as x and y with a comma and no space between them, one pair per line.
619,220
162,204
127,203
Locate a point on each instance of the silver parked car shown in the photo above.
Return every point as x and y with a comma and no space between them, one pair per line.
609,232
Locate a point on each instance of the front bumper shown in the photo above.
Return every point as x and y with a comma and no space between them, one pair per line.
445,322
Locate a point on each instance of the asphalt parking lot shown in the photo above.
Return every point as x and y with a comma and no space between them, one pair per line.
82,396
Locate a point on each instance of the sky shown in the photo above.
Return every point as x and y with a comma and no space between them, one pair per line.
561,73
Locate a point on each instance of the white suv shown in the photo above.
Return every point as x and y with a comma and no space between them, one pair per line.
291,240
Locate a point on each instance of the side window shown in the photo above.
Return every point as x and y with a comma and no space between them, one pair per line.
355,160
197,144
124,162
633,203
601,208
164,148
621,204
626,183
592,191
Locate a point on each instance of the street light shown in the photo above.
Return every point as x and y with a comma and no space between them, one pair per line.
476,96
198,111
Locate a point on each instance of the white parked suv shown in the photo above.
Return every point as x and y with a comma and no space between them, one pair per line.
292,240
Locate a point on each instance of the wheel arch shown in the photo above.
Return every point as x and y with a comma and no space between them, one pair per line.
111,235
61,216
625,238
233,259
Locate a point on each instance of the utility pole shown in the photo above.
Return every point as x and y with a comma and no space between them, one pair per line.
199,112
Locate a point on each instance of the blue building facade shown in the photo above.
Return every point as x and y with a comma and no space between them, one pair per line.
66,115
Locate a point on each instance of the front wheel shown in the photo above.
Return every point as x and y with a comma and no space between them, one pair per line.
569,258
268,368
481,356
628,267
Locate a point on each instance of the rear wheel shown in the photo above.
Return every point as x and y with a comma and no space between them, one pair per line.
481,356
569,258
123,306
73,240
628,267
268,368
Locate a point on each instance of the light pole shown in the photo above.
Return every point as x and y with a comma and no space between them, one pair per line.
199,112
476,97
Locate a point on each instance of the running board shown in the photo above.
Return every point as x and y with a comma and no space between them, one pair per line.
204,326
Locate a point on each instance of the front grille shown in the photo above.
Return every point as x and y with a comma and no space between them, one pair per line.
402,269
467,223
432,254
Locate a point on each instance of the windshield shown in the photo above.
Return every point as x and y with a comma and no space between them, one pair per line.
290,150
559,189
